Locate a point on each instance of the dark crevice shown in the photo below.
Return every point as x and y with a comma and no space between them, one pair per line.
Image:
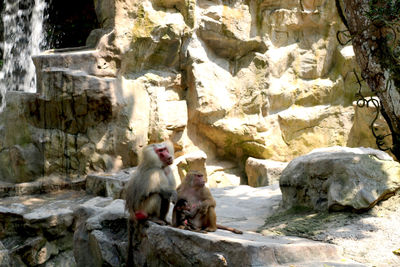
69,23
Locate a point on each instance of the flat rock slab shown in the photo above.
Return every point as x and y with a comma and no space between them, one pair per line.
108,184
48,212
42,206
245,207
38,229
39,187
170,246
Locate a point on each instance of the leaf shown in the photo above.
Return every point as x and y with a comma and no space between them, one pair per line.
396,252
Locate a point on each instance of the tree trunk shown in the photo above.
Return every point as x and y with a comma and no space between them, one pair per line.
373,52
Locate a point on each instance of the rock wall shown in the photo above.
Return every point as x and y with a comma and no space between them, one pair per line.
236,79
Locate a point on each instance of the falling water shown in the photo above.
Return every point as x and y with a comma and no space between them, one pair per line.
23,37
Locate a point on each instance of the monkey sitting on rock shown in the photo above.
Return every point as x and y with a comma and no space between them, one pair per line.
149,192
152,186
195,208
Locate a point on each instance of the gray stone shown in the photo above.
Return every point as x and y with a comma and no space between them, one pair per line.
64,259
169,246
109,185
340,178
88,61
37,229
101,236
263,172
5,259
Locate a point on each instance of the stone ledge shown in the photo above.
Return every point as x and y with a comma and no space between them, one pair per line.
86,60
39,187
108,185
171,246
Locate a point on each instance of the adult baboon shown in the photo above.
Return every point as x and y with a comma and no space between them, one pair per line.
150,190
151,187
202,214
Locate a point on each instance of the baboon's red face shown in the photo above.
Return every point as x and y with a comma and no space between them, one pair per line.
198,180
164,155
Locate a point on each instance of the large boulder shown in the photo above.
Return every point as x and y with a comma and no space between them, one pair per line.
340,178
263,172
101,234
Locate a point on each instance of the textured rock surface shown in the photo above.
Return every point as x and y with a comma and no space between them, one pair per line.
44,229
265,79
361,134
38,229
109,185
263,172
339,178
99,238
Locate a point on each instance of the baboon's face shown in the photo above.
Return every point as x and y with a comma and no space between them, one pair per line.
163,154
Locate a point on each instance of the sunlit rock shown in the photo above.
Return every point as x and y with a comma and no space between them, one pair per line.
339,178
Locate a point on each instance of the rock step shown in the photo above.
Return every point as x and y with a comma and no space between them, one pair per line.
57,81
88,61
108,184
38,229
40,211
167,245
39,187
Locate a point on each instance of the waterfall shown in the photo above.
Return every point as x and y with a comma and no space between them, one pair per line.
23,37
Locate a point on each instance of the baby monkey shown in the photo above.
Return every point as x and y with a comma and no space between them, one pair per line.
182,216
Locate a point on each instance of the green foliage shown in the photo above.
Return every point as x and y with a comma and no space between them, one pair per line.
385,16
384,11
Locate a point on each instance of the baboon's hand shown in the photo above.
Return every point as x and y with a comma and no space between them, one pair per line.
174,197
167,193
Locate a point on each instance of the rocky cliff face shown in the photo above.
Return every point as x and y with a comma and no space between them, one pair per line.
266,79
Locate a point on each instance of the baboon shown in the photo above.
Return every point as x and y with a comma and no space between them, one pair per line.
202,216
150,190
151,187
181,214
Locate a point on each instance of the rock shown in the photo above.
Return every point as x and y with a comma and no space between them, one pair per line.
88,61
109,185
42,185
224,249
339,178
65,259
263,172
361,133
4,256
227,31
101,236
38,229
194,161
240,74
224,174
245,207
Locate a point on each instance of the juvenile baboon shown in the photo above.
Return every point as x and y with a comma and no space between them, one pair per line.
202,214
